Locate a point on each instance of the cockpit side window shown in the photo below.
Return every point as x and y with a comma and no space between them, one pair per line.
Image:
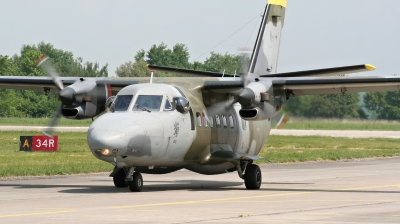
149,102
122,103
167,106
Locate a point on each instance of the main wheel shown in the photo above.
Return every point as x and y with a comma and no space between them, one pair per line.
136,184
252,177
119,179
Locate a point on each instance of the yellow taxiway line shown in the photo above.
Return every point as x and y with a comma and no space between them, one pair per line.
197,201
34,213
248,197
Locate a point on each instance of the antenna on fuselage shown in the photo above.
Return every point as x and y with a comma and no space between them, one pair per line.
151,76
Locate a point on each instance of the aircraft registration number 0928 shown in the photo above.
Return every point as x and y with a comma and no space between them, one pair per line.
38,143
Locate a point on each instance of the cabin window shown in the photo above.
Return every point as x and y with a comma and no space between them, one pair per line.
122,103
167,106
231,121
204,118
211,120
224,122
148,102
244,124
217,121
198,116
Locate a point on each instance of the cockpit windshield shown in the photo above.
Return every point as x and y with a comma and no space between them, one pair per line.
149,102
122,102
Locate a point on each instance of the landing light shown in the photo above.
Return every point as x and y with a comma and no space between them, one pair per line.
106,152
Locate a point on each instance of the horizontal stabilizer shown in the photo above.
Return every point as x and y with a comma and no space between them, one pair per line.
338,71
189,71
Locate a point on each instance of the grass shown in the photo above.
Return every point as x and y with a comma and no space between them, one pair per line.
341,124
74,155
293,123
282,149
25,121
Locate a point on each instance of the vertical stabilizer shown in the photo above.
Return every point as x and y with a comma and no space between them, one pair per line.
264,60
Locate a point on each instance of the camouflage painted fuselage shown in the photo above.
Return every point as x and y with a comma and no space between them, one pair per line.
169,140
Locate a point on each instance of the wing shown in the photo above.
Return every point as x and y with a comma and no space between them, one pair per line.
46,83
311,86
338,71
189,71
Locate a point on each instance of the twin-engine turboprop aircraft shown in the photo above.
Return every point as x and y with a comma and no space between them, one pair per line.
210,124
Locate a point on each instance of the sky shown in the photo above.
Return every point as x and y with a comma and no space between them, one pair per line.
316,34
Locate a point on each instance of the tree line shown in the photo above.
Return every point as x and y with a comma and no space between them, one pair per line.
23,103
371,105
177,57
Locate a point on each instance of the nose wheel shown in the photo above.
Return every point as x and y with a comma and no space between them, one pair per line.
123,177
119,179
136,184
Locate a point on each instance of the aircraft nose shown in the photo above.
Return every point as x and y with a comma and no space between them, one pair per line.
115,140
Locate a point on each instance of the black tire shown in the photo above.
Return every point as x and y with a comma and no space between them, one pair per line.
119,179
253,177
136,184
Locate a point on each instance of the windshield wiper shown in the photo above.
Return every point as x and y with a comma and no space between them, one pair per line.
144,109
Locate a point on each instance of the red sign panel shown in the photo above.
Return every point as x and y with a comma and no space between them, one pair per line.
44,143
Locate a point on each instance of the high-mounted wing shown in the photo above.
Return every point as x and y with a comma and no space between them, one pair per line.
80,98
311,86
189,71
298,80
46,83
338,71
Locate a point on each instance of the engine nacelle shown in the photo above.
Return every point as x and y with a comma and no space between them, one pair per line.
84,99
256,101
263,112
84,111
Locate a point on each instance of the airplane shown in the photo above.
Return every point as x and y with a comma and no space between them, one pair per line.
212,123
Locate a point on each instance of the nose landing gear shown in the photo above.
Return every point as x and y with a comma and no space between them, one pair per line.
131,179
136,184
119,178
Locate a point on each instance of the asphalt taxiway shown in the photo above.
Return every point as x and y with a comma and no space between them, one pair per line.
365,191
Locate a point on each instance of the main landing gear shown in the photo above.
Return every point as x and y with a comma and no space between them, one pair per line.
130,179
252,175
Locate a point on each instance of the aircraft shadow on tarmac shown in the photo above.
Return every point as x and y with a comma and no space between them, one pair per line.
190,185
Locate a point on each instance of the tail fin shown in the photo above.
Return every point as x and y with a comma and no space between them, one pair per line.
264,60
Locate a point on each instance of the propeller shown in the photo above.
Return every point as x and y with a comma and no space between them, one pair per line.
45,62
279,120
245,95
79,100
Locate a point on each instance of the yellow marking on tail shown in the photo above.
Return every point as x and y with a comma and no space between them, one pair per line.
277,2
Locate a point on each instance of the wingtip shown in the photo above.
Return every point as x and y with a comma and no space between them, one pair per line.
370,67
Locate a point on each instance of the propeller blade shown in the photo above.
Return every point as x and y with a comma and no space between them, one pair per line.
243,52
279,120
222,107
45,62
49,131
